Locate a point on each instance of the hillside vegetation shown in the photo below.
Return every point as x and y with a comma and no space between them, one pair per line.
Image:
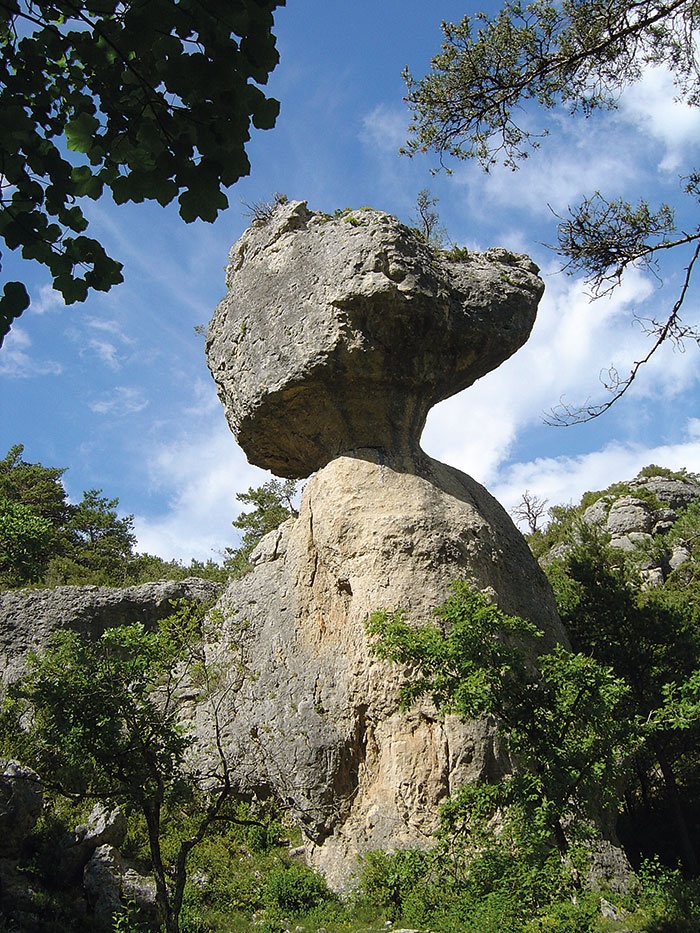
604,735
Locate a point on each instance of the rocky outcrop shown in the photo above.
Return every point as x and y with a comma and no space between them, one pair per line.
304,707
29,617
637,515
336,337
341,333
21,801
104,826
110,885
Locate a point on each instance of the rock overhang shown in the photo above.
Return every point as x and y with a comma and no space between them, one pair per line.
339,333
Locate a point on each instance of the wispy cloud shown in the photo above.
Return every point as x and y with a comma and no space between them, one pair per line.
121,401
103,338
203,472
16,361
46,300
651,105
384,129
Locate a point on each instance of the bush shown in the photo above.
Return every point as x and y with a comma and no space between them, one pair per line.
389,880
295,889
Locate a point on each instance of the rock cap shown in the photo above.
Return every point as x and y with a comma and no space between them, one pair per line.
341,332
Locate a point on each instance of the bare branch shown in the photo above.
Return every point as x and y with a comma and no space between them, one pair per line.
672,329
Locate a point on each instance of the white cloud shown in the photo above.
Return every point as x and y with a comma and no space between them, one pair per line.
204,473
47,300
17,362
384,129
103,338
570,164
563,480
122,401
651,106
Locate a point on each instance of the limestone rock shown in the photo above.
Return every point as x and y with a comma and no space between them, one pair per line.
29,617
110,885
341,333
307,708
677,492
21,801
629,514
104,826
634,520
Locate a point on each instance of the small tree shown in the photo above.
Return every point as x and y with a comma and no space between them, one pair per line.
530,510
560,717
274,504
98,544
427,219
102,719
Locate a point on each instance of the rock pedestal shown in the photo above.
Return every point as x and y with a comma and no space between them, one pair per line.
336,337
307,710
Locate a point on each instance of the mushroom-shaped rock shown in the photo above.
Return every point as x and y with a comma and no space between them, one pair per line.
340,333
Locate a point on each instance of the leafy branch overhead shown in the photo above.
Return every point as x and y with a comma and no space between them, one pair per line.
479,102
149,100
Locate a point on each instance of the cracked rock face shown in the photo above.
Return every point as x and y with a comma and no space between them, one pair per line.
341,333
305,708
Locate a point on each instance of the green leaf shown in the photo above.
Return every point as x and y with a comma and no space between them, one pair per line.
80,132
13,303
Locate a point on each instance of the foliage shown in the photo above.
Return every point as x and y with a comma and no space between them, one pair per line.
25,540
150,100
561,717
295,889
260,212
478,100
274,504
98,545
650,638
101,719
427,219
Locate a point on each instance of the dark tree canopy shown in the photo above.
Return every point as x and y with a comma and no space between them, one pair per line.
149,99
480,101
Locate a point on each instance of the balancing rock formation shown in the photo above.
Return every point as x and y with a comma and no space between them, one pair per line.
336,337
341,334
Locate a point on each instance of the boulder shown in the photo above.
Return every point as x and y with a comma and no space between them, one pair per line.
21,801
340,333
29,617
110,885
104,826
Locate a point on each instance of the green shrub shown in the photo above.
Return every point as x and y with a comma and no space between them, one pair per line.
295,889
389,880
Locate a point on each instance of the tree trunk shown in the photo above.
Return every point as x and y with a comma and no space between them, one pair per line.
170,918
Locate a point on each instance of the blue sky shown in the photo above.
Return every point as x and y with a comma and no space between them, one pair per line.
117,389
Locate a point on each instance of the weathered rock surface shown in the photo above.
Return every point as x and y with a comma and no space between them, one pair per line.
104,826
648,509
307,709
110,885
29,617
336,337
21,801
341,333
